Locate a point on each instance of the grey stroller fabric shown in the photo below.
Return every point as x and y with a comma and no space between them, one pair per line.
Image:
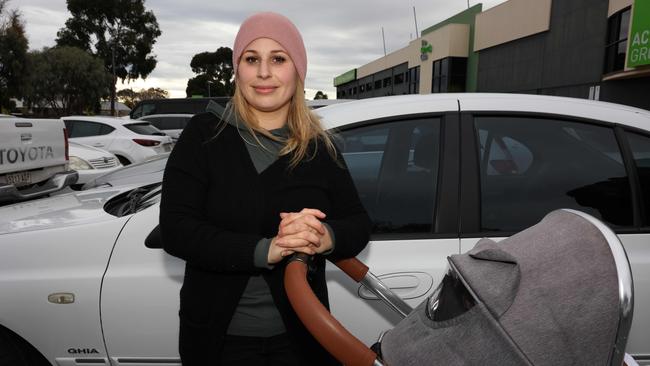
548,295
471,339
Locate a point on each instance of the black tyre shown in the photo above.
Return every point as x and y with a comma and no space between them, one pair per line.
14,351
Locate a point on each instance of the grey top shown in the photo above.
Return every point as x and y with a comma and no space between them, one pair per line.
256,315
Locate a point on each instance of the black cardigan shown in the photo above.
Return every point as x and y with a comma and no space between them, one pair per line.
215,207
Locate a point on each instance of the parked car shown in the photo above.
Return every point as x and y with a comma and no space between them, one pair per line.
130,141
435,172
147,172
33,158
171,124
320,103
174,105
91,162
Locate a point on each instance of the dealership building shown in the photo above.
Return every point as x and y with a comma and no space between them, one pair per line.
593,49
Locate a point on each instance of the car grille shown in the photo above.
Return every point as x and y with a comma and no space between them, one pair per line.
103,163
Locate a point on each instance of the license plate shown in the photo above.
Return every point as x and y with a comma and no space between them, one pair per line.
19,178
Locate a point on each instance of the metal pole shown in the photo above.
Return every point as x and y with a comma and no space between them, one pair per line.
208,82
384,39
415,19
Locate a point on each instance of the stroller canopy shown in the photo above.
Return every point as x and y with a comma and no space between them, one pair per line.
549,295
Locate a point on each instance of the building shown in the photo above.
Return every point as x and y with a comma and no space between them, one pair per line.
576,48
121,109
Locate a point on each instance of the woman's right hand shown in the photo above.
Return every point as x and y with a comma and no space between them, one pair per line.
300,242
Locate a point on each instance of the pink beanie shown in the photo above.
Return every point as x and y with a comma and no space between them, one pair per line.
276,27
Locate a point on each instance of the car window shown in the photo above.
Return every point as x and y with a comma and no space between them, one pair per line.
640,146
169,122
137,112
531,166
144,128
156,122
147,109
394,166
87,128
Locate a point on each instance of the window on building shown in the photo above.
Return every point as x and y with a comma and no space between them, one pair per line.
582,169
399,78
435,81
387,82
414,80
449,75
617,29
457,74
378,84
369,87
394,166
354,90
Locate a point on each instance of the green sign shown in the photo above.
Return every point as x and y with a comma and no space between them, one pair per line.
345,78
638,49
426,48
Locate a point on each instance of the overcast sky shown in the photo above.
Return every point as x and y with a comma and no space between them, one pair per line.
338,37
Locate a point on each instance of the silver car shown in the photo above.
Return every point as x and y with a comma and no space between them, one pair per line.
436,173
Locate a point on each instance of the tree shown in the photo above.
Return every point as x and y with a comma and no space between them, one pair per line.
67,79
121,32
13,55
215,74
320,95
131,97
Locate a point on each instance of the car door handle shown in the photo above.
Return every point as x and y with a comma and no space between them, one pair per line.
407,285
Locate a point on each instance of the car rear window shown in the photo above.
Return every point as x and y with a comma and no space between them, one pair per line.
144,128
169,122
531,166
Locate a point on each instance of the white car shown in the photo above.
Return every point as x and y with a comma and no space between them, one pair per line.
435,172
171,124
91,162
33,158
131,141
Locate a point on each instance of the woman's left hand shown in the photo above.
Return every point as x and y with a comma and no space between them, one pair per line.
307,220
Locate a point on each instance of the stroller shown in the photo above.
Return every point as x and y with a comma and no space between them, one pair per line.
557,293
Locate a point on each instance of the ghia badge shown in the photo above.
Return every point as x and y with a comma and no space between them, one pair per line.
82,351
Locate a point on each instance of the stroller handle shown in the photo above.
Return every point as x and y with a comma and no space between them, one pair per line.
340,343
353,268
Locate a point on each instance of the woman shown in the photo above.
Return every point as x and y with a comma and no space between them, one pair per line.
244,192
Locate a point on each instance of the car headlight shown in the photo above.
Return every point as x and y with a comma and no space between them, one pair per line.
79,164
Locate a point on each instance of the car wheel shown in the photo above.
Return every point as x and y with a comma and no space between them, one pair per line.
14,351
124,161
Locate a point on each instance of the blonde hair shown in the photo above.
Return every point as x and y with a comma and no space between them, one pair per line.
303,124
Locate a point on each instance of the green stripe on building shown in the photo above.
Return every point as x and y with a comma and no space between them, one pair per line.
465,17
346,77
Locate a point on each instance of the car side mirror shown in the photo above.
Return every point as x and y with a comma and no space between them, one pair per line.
154,240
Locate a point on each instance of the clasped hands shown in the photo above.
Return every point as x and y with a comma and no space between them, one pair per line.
300,232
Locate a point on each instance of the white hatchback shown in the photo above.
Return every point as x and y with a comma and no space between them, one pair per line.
436,173
131,141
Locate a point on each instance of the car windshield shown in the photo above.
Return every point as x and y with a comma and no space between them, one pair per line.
144,128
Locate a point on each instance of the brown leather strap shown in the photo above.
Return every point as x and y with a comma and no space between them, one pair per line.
321,324
353,268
